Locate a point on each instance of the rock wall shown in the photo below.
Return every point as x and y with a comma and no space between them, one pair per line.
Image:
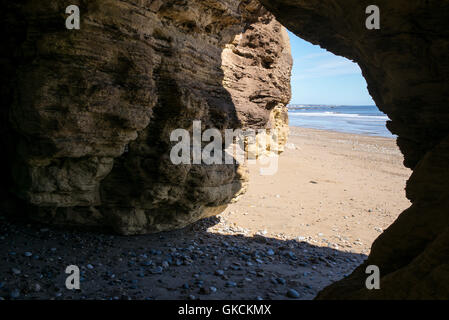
406,65
87,114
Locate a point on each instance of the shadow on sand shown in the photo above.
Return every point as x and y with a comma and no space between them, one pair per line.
185,264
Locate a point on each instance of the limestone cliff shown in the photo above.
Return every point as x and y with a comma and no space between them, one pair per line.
87,114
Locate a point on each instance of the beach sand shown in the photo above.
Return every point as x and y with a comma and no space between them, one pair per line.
331,189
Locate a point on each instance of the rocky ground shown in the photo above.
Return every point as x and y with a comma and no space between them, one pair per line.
205,261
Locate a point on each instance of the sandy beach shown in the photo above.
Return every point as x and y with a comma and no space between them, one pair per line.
332,189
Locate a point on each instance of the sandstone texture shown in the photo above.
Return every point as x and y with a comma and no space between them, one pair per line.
87,114
406,65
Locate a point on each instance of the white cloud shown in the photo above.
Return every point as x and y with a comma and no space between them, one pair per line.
316,55
323,65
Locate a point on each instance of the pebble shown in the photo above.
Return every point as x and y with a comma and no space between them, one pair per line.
27,254
89,266
148,263
219,273
15,293
292,293
16,271
157,270
291,255
281,280
199,283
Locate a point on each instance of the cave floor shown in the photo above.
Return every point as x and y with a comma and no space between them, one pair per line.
192,263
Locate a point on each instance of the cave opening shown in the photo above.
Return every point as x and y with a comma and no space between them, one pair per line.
340,184
409,84
341,163
341,179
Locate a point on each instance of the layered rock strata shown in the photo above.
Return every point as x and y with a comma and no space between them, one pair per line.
87,114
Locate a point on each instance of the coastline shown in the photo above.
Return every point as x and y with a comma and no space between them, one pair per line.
364,120
317,131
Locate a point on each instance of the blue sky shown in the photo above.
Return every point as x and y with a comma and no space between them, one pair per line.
320,77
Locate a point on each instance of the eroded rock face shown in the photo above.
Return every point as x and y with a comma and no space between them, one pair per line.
406,65
87,114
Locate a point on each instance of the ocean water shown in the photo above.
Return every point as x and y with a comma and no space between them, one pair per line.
366,120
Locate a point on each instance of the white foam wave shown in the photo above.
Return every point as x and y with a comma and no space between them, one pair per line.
333,114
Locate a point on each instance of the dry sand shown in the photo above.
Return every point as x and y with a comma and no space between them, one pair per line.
331,189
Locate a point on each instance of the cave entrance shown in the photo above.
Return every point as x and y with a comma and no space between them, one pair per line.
341,180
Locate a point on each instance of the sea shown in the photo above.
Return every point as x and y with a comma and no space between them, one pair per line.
366,120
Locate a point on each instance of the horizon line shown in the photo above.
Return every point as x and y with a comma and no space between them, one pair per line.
332,105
